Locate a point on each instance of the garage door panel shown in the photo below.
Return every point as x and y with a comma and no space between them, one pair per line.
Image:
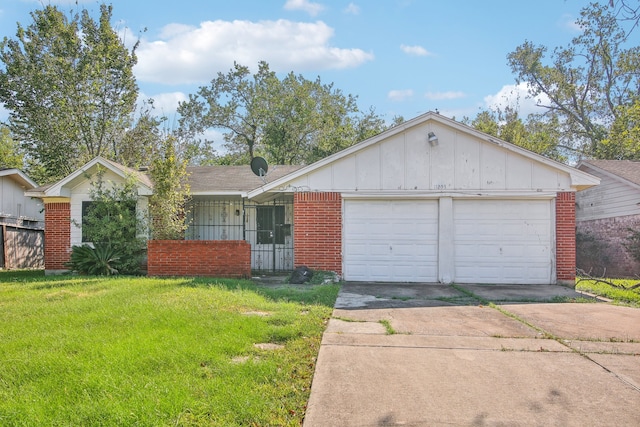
390,240
502,241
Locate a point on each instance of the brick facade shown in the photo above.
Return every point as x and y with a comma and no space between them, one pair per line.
566,238
317,239
210,258
601,247
57,236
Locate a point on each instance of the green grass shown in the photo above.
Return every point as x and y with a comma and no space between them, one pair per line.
629,297
156,352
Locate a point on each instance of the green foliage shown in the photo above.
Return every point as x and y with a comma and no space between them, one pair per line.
534,134
155,352
100,260
623,140
585,83
167,206
69,88
112,220
289,121
10,155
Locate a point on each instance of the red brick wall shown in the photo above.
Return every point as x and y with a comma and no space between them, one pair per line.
212,258
57,235
606,254
566,238
317,240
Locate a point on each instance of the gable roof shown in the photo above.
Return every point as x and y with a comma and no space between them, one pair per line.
579,179
209,180
19,177
623,170
60,188
203,180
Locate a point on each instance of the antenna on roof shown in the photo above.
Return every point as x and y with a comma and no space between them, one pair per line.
259,167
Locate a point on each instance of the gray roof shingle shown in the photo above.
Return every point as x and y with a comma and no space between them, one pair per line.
211,179
626,169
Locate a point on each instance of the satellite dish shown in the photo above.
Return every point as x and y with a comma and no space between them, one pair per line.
259,166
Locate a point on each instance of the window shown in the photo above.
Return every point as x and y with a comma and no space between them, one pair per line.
270,225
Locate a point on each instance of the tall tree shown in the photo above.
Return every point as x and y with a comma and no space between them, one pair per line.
168,205
289,121
587,82
69,87
533,133
10,156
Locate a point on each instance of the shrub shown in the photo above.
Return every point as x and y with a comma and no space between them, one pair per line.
111,220
100,260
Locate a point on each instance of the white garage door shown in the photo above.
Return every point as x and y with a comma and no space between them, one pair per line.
502,241
391,240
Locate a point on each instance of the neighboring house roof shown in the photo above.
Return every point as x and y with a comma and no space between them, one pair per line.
20,177
579,179
626,170
208,180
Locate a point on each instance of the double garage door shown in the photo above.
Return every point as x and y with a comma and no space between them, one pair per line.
492,241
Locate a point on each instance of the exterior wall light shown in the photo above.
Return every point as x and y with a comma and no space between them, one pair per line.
433,139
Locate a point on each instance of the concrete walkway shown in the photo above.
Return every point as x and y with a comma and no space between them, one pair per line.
433,355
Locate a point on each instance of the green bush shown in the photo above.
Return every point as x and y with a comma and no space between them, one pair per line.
100,260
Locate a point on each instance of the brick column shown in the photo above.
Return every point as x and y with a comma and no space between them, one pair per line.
317,240
566,238
57,236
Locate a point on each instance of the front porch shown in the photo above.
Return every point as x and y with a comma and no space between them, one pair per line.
268,228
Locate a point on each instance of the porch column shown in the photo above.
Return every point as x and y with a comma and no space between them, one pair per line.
57,236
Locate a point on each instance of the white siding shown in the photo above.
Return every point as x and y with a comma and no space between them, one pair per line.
612,198
13,202
459,162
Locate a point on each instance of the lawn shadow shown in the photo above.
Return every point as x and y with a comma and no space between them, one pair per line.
277,291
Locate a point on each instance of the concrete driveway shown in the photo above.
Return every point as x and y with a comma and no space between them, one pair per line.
439,355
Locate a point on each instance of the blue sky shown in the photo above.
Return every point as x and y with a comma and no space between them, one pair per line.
402,57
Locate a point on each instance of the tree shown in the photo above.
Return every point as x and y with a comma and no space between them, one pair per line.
623,140
69,87
167,206
534,133
586,82
289,121
10,156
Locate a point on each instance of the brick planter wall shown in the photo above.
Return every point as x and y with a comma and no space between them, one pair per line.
566,238
318,236
211,258
608,255
57,236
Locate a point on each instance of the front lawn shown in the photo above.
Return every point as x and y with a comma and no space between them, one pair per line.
618,290
153,352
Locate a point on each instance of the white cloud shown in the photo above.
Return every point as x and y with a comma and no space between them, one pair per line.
312,9
569,22
400,95
415,50
166,104
437,96
516,96
352,9
194,55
